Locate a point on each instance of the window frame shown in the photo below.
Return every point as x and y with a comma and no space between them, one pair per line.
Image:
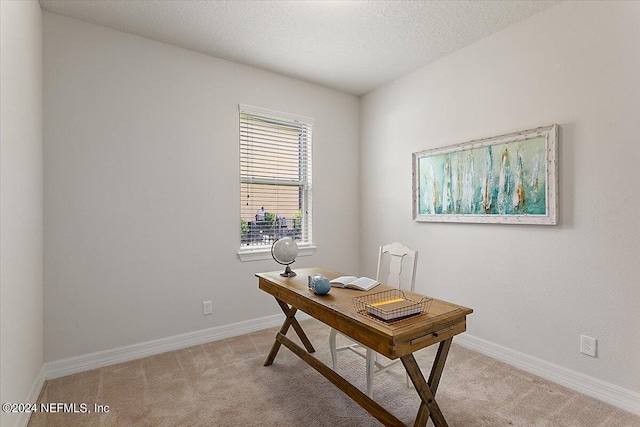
306,248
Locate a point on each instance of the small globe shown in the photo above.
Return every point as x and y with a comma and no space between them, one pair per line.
285,251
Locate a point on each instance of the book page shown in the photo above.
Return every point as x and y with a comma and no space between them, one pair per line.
342,281
363,283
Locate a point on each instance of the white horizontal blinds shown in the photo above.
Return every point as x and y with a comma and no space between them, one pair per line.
275,176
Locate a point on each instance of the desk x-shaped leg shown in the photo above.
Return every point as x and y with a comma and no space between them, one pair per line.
429,407
290,312
426,390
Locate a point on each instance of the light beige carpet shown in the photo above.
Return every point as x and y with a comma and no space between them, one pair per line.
224,384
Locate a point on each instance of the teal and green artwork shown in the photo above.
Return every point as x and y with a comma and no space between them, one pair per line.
507,179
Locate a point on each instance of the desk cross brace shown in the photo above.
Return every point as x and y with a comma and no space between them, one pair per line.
426,390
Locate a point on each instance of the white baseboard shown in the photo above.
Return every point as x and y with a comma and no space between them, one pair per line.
610,393
32,397
73,365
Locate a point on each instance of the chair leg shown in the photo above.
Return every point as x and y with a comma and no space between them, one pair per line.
332,347
370,371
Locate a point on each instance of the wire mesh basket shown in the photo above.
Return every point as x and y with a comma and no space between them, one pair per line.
390,306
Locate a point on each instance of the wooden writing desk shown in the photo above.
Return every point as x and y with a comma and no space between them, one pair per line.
399,340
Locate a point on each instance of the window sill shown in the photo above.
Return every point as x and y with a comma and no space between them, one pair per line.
265,253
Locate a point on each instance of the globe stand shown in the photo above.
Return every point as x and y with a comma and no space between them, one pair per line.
288,272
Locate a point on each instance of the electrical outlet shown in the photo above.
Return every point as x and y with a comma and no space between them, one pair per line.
588,345
207,308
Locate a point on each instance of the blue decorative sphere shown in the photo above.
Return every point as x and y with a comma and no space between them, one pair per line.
321,285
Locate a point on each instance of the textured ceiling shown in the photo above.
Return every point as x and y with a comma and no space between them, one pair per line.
351,46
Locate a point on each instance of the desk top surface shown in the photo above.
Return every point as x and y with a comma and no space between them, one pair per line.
336,309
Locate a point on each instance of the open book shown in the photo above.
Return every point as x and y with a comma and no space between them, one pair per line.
353,282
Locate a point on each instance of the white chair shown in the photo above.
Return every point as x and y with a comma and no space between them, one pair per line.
398,256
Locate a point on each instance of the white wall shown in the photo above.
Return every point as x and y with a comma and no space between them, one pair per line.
142,187
534,289
20,204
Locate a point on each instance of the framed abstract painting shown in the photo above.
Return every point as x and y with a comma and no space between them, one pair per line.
508,179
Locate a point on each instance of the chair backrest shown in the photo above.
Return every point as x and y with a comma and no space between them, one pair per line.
400,257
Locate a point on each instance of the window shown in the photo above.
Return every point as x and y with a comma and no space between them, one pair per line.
275,179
